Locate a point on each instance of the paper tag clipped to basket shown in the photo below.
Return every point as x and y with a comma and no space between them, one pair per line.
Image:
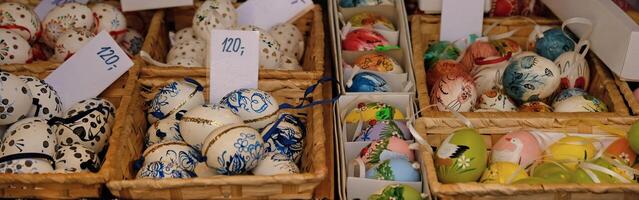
43,8
266,14
134,5
234,61
461,18
90,71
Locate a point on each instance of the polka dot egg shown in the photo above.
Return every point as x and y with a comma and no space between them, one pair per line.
13,48
176,96
26,166
95,118
290,38
256,108
233,149
76,158
183,35
531,78
15,99
46,102
270,55
198,122
166,130
28,136
132,42
21,19
192,49
213,14
70,16
110,19
289,63
70,42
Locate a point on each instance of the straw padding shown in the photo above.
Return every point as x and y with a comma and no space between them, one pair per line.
436,134
76,185
157,45
295,186
425,29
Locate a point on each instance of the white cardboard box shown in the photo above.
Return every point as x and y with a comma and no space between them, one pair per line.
615,36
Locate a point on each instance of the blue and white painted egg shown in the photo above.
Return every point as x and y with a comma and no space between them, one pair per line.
383,129
165,130
233,149
30,136
26,166
197,123
531,78
574,69
178,153
396,169
554,43
176,96
132,42
565,94
92,128
15,98
257,108
286,139
271,164
161,170
46,102
580,103
76,158
368,82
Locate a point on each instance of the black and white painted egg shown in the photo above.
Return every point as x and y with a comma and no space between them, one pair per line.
26,166
87,123
13,48
270,49
28,138
198,122
69,43
286,139
21,19
290,38
272,165
192,50
70,16
110,19
76,158
256,107
165,130
15,99
46,102
173,97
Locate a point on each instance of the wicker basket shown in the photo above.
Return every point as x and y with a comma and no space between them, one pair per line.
157,45
77,185
628,95
435,135
295,186
425,29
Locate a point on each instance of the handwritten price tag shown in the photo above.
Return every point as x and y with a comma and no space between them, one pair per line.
266,14
90,71
133,5
234,57
43,8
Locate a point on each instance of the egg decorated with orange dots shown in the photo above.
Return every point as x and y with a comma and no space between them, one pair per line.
378,62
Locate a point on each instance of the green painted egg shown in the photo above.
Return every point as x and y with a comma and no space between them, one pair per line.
532,180
633,137
397,191
462,157
441,50
552,172
580,176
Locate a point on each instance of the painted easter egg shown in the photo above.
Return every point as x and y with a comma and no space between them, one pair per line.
69,43
233,149
165,130
290,38
69,16
386,149
443,68
633,137
553,43
368,82
173,97
373,111
519,147
184,35
272,165
132,42
378,62
505,46
15,98
26,166
504,8
13,48
454,93
21,19
31,137
535,106
363,40
371,21
285,137
530,78
109,18
213,14
503,173
163,169
496,100
601,171
76,158
46,102
488,72
620,150
574,69
441,50
192,49
382,129
461,157
197,123
567,93
582,103
570,150
257,108
552,172
396,169
177,153
477,50
88,122
397,191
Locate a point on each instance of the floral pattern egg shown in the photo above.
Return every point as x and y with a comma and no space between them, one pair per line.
192,49
378,62
285,137
88,123
183,35
161,169
373,111
535,106
15,99
30,136
381,150
176,96
582,103
110,19
368,82
371,21
70,16
26,166
461,157
519,147
454,93
290,38
272,165
531,78
46,100
567,93
21,19
441,50
177,153
505,46
487,75
213,14
496,100
132,42
363,40
382,129
76,158
233,149
396,169
166,130
256,108
478,49
441,69
13,48
503,173
70,42
554,43
620,150
359,3
198,122
574,69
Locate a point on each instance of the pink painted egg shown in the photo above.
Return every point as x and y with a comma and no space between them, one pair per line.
476,50
385,149
519,147
454,93
363,40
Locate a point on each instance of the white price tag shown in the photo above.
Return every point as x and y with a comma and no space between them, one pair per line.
266,14
234,57
461,18
134,5
43,8
89,71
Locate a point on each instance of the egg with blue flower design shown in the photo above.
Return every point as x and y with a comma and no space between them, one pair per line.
285,137
165,130
173,97
196,123
161,169
530,78
272,164
233,149
257,108
368,82
553,43
178,153
570,92
582,103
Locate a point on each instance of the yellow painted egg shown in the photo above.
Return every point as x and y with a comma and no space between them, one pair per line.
503,173
570,150
373,111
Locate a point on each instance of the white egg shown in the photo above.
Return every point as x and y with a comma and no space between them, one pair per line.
165,130
76,158
189,50
21,19
15,99
270,49
31,136
132,42
290,38
233,149
272,165
256,108
530,78
213,14
197,123
69,43
46,103
574,69
488,72
88,122
70,16
183,35
26,166
580,103
110,19
289,63
178,153
13,48
175,96
454,93
496,100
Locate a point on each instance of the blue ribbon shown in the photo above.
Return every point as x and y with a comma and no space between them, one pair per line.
308,92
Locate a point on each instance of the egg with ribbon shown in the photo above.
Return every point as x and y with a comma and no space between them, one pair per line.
488,72
378,62
257,108
620,151
110,19
367,82
175,153
440,50
395,169
443,68
553,43
26,166
165,130
173,97
192,49
574,69
373,111
519,147
385,149
503,173
552,172
571,150
69,16
290,38
87,122
196,123
28,138
363,40
69,43
76,158
535,106
285,137
15,99
581,103
454,93
461,157
226,157
505,46
132,42
271,164
382,129
162,169
371,21
13,48
397,191
477,49
496,100
21,19
46,102
600,171
531,78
